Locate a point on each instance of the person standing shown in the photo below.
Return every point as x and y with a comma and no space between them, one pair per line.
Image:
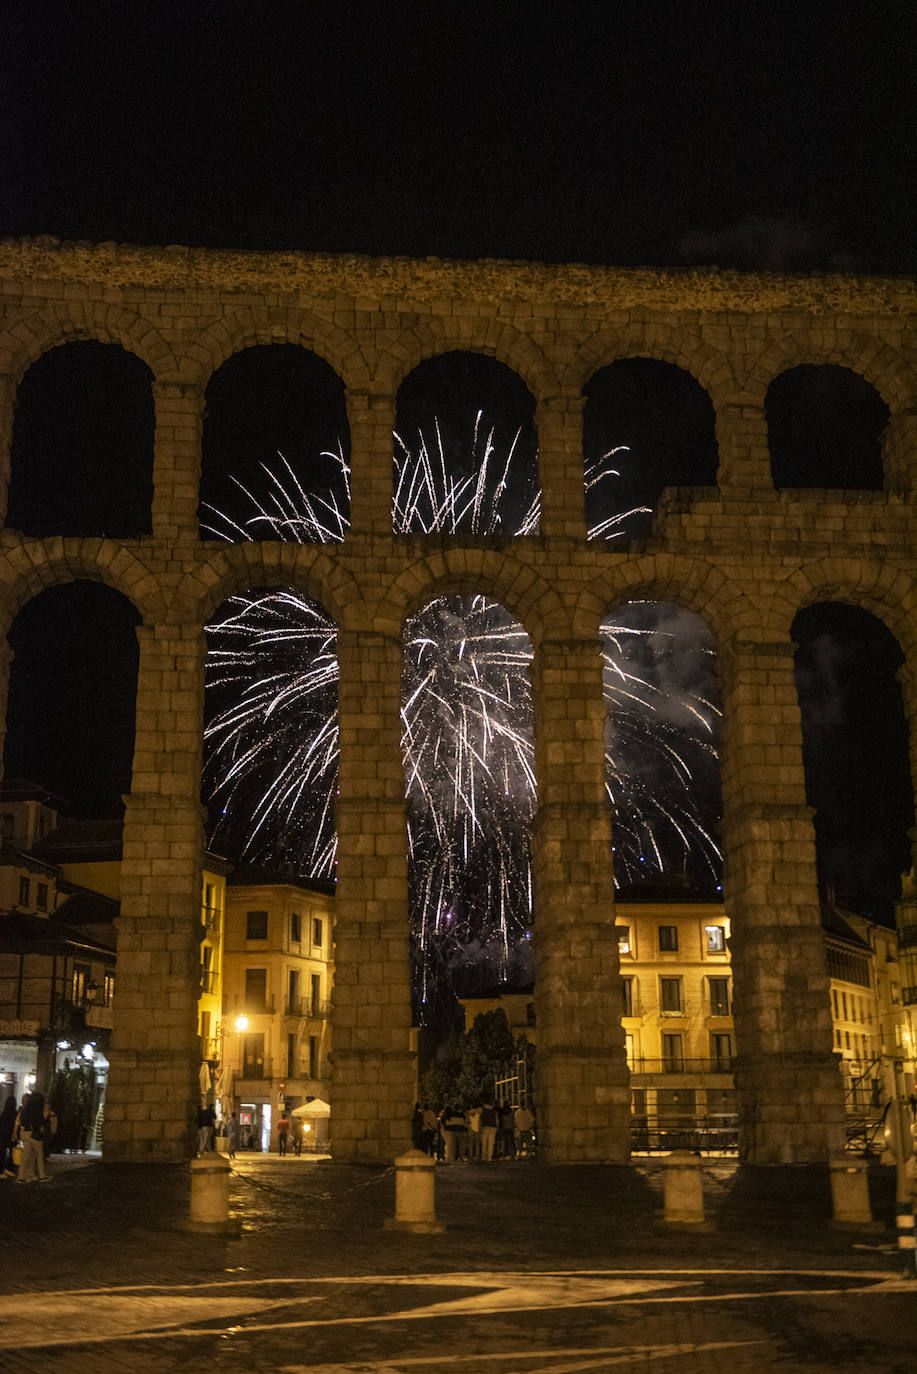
48,1130
233,1132
490,1119
283,1130
205,1122
31,1121
7,1125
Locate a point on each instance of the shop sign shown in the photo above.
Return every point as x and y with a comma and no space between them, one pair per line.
19,1027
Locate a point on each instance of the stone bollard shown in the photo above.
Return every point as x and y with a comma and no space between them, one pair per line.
850,1194
414,1202
210,1196
684,1192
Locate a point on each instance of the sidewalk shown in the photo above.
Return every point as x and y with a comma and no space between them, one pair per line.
535,1264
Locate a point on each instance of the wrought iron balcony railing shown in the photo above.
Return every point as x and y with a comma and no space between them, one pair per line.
679,1065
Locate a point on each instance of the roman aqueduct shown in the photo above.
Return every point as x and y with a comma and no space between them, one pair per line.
742,554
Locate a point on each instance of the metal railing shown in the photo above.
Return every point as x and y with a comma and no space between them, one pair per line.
210,917
255,1069
678,1065
719,1132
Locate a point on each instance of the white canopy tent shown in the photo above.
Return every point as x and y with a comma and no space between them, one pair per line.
311,1110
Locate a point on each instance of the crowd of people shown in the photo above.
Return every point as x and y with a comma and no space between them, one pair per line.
27,1135
478,1134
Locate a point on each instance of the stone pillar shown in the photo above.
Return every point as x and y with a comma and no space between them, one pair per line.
583,1094
373,1066
745,462
560,461
899,453
153,1089
791,1108
7,411
372,420
177,459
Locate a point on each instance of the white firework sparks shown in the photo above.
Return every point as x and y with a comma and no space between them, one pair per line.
272,737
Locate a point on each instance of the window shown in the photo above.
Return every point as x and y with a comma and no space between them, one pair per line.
844,1004
624,940
24,891
108,989
41,896
293,994
79,983
670,995
719,996
316,983
668,937
256,989
834,1000
721,1050
291,1056
716,939
253,1056
295,927
317,931
628,996
673,1055
256,925
313,1056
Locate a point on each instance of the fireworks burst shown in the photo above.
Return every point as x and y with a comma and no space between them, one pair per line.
272,737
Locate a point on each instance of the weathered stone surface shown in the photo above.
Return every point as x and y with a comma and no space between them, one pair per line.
744,556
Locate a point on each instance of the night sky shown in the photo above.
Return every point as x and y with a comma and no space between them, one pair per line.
760,137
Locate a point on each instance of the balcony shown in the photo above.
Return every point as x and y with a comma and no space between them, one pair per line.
208,980
210,919
257,1070
674,1065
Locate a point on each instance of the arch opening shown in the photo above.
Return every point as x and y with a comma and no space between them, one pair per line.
82,452
465,456
855,755
271,732
468,748
825,425
647,424
73,686
662,732
275,458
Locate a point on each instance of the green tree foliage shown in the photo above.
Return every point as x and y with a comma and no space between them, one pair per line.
465,1068
72,1095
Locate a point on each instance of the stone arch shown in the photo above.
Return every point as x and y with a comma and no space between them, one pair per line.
689,582
493,337
528,596
26,571
233,333
887,592
237,567
710,368
24,341
876,362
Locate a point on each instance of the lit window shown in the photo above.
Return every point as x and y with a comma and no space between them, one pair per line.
668,937
716,939
623,939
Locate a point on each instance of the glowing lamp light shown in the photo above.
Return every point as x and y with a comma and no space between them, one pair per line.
241,1023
